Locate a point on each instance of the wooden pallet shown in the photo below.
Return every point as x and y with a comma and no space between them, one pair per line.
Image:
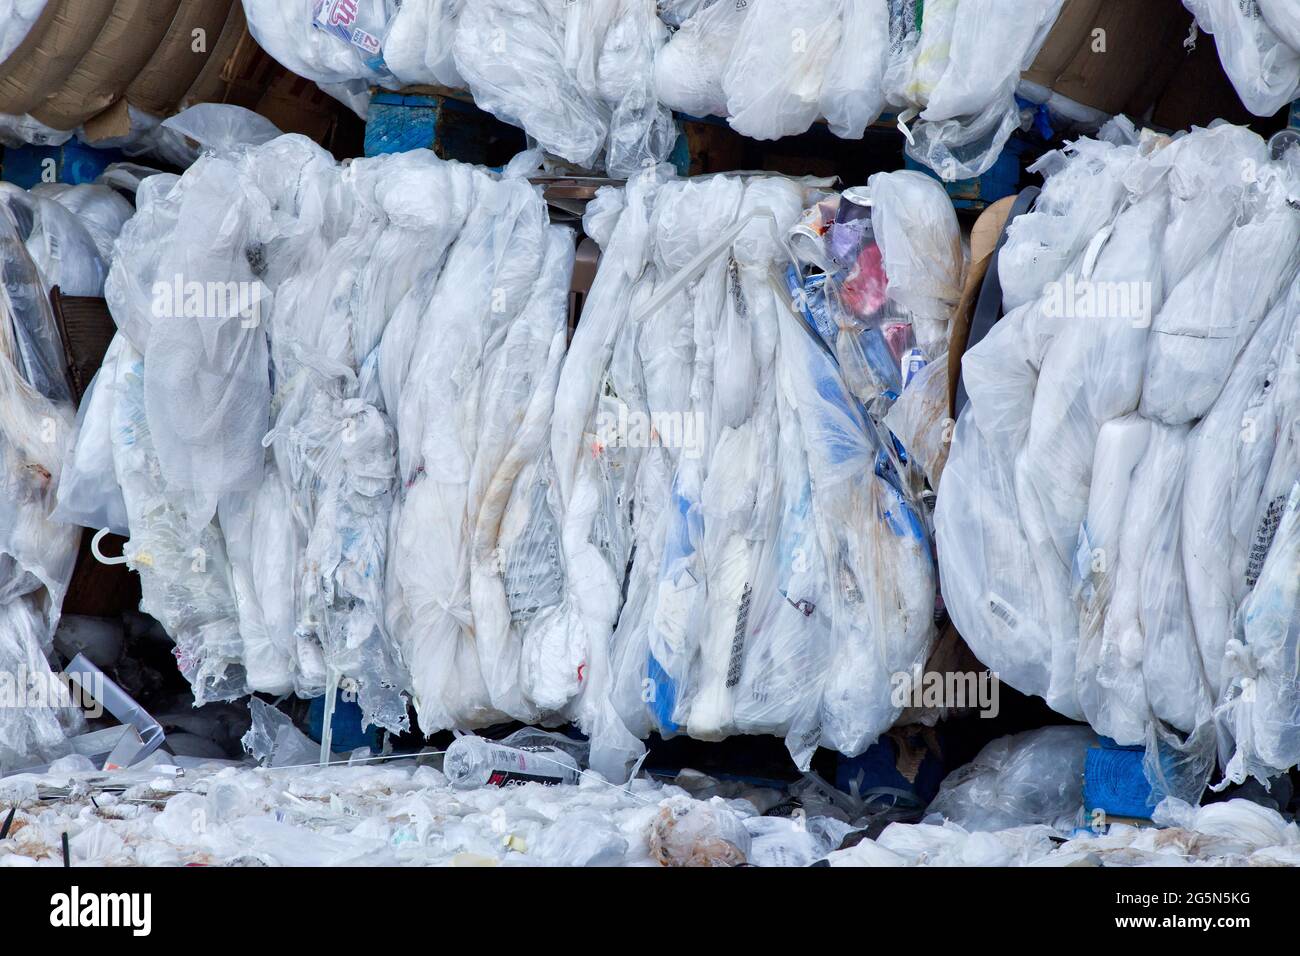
444,121
708,145
1115,783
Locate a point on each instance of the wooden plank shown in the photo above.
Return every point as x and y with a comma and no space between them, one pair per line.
452,127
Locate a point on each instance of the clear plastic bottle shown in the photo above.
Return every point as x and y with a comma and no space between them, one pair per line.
474,762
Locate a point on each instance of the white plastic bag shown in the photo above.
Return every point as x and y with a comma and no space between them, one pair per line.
1262,67
1027,778
774,78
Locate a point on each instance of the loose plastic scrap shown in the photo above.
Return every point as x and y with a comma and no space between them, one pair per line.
41,243
1117,489
1035,777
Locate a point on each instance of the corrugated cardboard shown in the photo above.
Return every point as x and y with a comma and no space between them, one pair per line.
109,124
231,75
296,105
983,245
1138,37
1141,40
124,45
175,65
56,43
1063,43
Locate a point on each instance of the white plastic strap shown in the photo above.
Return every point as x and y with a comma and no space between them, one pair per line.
99,555
695,268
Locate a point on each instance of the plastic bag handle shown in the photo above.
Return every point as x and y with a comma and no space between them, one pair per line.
99,555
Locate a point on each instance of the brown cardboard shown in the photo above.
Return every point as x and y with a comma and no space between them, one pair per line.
228,76
1069,33
112,123
1143,44
175,65
984,238
1137,36
296,105
56,43
124,45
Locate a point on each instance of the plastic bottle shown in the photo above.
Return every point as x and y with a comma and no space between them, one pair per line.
474,762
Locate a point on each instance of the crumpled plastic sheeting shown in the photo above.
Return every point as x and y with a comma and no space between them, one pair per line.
334,472
1259,47
1035,777
286,29
774,67
392,815
1116,487
780,570
1233,833
578,77
399,44
41,243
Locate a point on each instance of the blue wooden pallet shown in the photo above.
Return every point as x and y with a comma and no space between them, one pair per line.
73,163
451,127
1001,180
1115,780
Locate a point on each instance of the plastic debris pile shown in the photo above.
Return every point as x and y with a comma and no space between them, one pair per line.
400,813
54,235
321,401
1119,522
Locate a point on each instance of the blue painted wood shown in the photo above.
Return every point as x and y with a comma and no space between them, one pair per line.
1001,180
74,163
451,127
1114,781
399,123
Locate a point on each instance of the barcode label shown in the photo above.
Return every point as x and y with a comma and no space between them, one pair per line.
1001,610
1263,542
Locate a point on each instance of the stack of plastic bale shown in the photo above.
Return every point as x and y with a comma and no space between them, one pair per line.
51,236
326,383
744,544
577,77
1259,46
351,448
1117,525
774,67
593,83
